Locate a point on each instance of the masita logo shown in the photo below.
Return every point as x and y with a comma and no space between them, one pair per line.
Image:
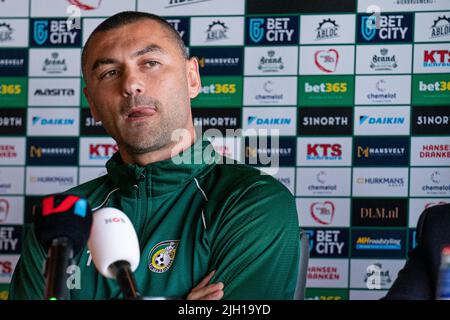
369,243
54,32
392,151
328,242
53,92
430,120
272,30
385,27
432,58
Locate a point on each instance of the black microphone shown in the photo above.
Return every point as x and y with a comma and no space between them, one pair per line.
62,226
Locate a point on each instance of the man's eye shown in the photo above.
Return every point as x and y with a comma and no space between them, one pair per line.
109,74
151,63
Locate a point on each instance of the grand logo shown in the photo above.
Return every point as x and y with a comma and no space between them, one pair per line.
6,32
326,60
327,29
377,277
54,65
383,61
54,32
271,62
270,30
385,27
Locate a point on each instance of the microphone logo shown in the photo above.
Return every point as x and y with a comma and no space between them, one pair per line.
79,205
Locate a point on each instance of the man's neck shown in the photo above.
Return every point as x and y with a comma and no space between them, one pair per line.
167,152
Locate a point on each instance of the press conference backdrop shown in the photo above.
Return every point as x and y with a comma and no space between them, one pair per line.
362,112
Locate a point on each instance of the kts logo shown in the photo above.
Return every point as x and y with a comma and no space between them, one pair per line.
324,151
327,29
432,58
326,60
102,151
6,32
216,31
272,30
328,242
389,28
436,58
54,32
383,61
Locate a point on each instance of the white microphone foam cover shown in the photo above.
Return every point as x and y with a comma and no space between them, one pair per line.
112,239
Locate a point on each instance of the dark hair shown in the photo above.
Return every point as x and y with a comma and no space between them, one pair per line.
127,17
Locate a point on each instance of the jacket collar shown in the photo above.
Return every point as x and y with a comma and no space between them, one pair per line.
166,175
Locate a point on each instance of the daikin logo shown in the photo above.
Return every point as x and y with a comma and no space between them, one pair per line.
268,121
53,121
381,120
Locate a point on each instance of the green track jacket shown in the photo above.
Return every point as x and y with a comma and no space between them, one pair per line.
190,218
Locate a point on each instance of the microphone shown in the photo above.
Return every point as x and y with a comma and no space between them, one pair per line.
62,224
114,248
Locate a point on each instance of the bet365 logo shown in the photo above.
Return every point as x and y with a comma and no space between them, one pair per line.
434,86
326,87
10,89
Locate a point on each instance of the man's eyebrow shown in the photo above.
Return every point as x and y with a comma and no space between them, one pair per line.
103,61
148,49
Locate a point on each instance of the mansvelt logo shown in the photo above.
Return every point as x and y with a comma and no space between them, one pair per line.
327,29
14,62
219,62
378,243
6,32
389,28
325,121
52,152
262,151
383,61
431,120
54,32
392,151
370,212
272,30
54,92
440,28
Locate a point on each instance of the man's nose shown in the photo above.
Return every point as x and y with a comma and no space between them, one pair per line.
132,84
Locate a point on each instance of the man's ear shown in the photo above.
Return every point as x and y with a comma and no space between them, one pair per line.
91,104
193,76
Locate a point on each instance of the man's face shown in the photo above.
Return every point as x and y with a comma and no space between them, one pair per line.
139,85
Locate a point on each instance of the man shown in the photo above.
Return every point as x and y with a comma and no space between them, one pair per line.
223,221
419,278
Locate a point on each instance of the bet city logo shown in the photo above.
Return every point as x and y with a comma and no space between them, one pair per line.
385,28
55,32
269,30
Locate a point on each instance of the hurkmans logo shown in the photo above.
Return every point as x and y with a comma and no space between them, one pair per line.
162,255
